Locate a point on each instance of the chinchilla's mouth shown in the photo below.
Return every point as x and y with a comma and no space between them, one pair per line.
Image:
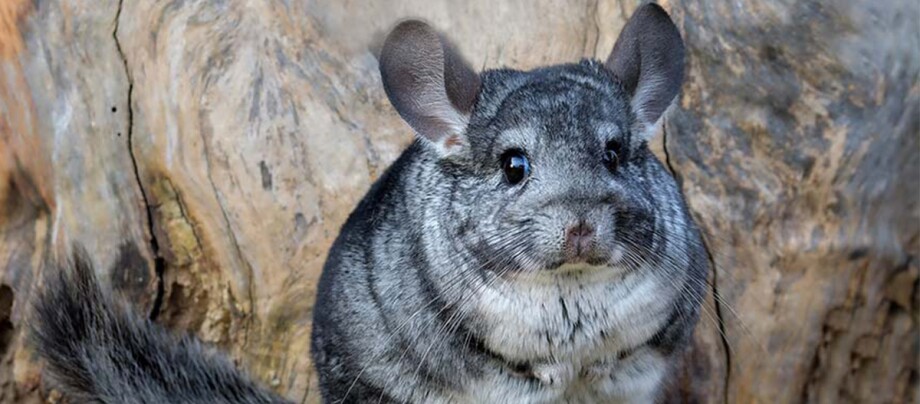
579,264
570,267
590,262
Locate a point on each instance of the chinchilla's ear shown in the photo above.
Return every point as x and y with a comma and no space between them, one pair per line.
648,58
428,83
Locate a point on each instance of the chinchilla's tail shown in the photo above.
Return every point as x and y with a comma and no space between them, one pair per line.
97,350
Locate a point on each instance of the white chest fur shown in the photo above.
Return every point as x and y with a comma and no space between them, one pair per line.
571,326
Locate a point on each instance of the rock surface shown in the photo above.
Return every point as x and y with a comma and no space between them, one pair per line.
206,153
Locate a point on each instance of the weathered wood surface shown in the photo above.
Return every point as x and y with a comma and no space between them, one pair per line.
207,152
796,141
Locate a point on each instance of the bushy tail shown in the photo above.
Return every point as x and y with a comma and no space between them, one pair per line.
97,350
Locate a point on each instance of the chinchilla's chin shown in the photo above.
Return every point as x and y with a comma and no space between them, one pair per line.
611,259
567,273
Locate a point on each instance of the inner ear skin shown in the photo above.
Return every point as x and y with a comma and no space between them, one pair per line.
429,84
461,83
435,90
648,58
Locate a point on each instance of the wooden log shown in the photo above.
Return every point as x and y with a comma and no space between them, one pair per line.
796,143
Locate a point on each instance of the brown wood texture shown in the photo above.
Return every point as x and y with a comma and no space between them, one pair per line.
206,153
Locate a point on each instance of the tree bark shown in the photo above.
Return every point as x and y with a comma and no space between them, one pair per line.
206,153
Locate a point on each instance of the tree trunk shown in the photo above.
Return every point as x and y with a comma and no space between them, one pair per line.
206,153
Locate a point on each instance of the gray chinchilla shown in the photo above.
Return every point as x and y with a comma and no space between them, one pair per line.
527,247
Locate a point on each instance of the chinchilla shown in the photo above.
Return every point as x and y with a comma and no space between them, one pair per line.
528,246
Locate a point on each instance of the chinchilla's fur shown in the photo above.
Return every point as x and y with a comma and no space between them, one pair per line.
450,283
527,248
97,351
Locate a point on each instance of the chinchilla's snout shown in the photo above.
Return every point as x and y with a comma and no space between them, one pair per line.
579,237
579,242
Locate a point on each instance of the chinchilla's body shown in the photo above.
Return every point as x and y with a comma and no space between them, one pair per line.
458,277
527,248
421,303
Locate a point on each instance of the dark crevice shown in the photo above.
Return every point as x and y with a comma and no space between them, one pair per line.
159,264
667,154
7,330
717,298
718,305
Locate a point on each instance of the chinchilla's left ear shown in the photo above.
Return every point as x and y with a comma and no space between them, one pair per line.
648,58
429,83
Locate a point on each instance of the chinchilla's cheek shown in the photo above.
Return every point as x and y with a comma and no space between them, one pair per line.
550,223
605,222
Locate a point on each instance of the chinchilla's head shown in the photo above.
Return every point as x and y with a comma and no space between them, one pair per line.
548,167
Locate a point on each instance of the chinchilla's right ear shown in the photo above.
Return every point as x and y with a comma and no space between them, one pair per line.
429,83
648,58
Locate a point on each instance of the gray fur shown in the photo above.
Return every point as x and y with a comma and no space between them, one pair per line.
448,284
96,350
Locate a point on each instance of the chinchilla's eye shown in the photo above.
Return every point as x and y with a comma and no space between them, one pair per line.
515,165
611,156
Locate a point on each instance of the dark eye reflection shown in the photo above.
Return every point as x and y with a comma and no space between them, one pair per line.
515,165
612,156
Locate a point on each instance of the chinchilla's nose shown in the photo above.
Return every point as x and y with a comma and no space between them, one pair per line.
578,240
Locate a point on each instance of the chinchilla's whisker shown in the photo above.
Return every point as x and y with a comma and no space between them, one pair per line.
679,261
455,317
502,242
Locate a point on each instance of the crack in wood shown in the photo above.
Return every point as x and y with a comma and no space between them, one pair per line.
717,298
159,264
250,275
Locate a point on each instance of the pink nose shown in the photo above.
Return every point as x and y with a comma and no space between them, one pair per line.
578,238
